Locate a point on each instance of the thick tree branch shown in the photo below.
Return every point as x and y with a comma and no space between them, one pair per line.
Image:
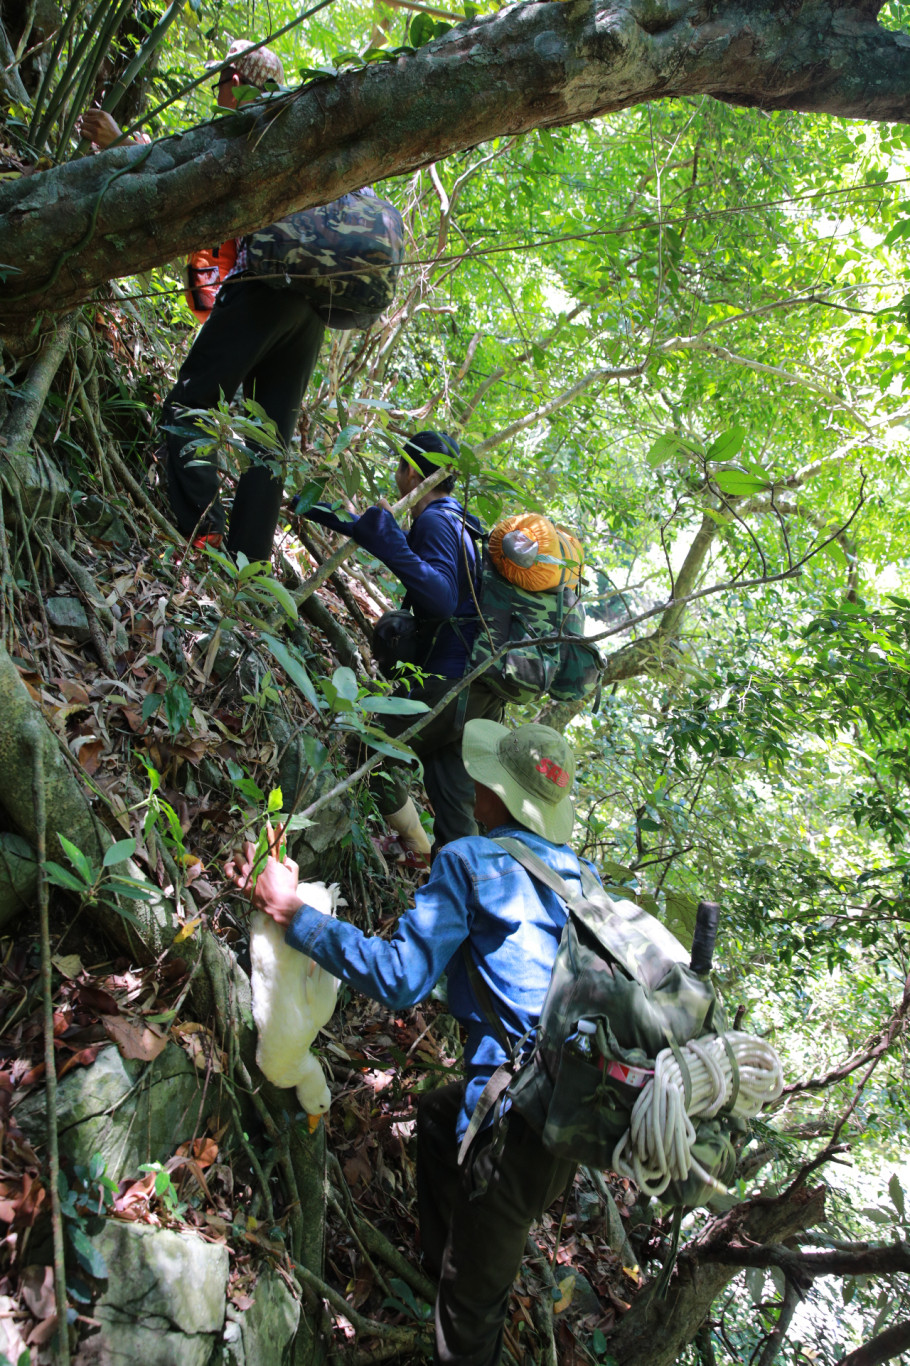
529,65
650,1336
885,1347
805,1266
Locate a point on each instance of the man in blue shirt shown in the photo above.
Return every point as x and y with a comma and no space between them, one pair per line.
479,902
436,562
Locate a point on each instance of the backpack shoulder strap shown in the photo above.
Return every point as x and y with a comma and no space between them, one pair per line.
537,868
484,999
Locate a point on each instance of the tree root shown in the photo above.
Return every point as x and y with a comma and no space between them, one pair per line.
377,1244
20,425
396,1339
50,1064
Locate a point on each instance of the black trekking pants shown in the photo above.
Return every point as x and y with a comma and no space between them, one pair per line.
438,747
268,340
473,1242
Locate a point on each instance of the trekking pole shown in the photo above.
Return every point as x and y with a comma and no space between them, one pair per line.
706,918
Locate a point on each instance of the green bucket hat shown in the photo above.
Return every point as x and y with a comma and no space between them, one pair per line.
531,768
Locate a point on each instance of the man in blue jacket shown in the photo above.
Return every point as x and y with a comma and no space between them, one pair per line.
437,562
479,902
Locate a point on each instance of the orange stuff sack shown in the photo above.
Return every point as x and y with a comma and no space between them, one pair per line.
533,553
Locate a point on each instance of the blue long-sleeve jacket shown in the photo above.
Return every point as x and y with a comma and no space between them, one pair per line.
435,561
479,894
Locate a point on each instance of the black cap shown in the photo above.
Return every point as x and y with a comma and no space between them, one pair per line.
438,442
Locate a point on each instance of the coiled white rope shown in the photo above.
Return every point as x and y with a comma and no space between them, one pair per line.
657,1146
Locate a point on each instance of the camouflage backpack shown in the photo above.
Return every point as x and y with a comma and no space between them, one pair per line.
622,975
515,633
344,257
532,639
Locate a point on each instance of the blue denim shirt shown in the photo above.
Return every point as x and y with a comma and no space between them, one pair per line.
476,892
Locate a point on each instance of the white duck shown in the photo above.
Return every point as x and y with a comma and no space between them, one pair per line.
293,998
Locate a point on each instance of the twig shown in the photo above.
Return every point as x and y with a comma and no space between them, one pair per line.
871,1050
775,1339
50,1072
279,1141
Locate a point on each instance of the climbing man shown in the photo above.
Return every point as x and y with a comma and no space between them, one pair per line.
254,335
436,562
494,930
263,338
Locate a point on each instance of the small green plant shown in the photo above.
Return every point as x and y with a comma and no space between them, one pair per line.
599,1349
98,885
266,695
406,1302
354,706
165,1189
178,705
83,1204
161,816
252,587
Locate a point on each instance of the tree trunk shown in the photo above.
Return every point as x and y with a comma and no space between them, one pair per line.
655,1331
66,230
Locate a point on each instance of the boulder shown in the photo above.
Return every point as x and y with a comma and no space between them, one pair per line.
128,1112
165,1297
68,616
18,875
262,1335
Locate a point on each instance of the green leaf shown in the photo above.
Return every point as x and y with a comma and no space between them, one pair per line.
345,437
293,668
279,592
898,232
835,552
87,1254
276,800
151,702
344,681
383,745
178,708
131,890
119,853
79,861
393,706
727,445
895,1190
662,450
738,483
62,877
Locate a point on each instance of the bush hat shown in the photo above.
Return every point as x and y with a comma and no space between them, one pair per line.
531,768
254,68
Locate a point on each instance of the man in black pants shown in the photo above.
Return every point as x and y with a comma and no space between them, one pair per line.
266,339
494,930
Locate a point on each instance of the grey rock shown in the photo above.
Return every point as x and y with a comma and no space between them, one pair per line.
101,520
98,1111
68,615
18,875
269,1326
165,1298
